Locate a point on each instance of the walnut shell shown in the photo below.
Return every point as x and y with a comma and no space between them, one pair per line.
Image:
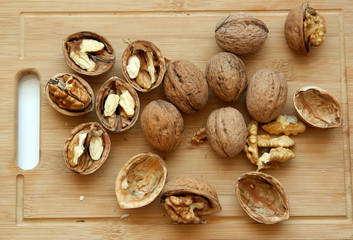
226,131
162,125
69,94
120,121
159,62
85,162
140,180
317,107
226,76
262,197
185,86
266,95
193,188
103,59
240,33
295,29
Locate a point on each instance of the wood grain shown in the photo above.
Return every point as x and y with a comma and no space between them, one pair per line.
45,202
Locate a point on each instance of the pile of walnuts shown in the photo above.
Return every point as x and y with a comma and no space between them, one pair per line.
186,89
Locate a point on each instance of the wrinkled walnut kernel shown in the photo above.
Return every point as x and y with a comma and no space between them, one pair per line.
199,136
285,124
314,29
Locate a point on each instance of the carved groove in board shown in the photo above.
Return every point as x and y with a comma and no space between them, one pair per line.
28,119
19,198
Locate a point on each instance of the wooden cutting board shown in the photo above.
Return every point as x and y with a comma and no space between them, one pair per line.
45,202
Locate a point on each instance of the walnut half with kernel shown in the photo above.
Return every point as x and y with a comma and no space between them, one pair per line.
143,65
88,53
69,94
304,28
117,105
187,199
86,148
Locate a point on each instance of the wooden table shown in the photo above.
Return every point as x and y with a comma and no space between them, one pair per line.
45,202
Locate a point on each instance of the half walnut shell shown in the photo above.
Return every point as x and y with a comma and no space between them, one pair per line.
140,180
69,94
262,197
143,65
86,148
317,107
88,53
304,28
117,105
187,199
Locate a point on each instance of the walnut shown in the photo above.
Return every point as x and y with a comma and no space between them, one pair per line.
317,107
226,131
266,95
226,76
304,28
187,199
140,180
86,148
88,53
285,124
262,197
70,94
143,65
240,33
117,105
266,141
162,125
199,136
274,149
185,86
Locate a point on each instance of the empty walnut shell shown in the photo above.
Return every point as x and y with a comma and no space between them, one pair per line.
140,180
86,148
187,199
226,76
158,64
162,125
304,28
69,94
317,107
262,197
120,120
185,86
240,33
266,95
226,131
92,60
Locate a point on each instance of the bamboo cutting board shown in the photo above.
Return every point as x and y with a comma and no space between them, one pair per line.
45,202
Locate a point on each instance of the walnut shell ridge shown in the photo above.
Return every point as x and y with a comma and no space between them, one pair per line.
185,86
240,33
266,95
226,76
226,131
162,125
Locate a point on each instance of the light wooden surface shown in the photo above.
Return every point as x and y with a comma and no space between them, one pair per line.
45,202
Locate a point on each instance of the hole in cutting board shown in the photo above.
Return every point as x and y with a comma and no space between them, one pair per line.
28,119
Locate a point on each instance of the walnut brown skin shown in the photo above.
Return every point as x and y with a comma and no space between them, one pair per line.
240,33
162,125
266,95
226,131
185,86
226,76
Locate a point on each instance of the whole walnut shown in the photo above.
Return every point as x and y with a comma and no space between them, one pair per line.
226,76
266,95
240,33
185,86
226,131
162,125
